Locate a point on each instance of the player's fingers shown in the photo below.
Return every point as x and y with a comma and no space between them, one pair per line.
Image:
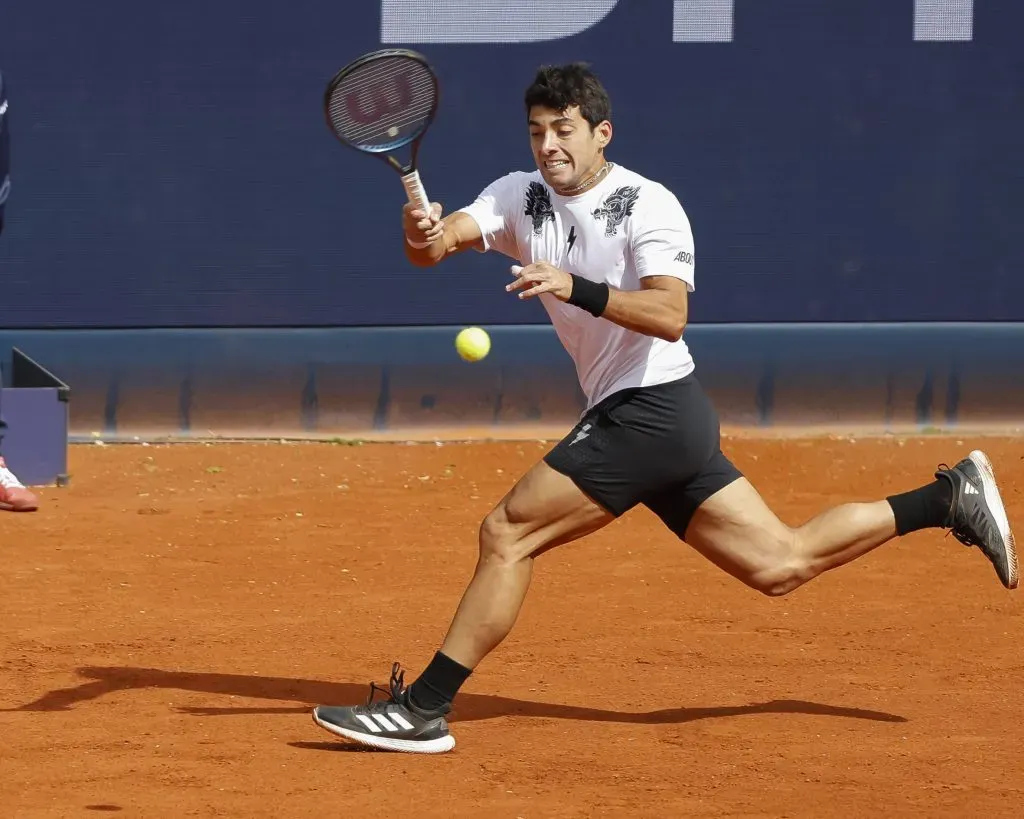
526,277
527,280
536,290
435,211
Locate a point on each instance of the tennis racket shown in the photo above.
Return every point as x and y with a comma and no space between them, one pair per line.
383,102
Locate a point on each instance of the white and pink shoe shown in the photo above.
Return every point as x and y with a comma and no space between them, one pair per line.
14,497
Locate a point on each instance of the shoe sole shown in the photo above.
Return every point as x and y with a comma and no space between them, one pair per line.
408,746
995,505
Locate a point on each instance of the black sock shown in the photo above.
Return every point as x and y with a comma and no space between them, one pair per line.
922,508
439,683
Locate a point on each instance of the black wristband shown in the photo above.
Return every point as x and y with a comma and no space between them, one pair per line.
588,295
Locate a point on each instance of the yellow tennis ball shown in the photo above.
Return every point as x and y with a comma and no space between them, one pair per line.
473,343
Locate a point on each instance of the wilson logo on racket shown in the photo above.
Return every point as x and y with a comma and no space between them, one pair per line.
383,102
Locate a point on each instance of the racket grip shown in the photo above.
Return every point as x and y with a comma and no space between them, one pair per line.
415,191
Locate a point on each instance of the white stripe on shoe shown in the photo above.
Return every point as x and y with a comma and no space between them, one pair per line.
400,721
369,723
385,723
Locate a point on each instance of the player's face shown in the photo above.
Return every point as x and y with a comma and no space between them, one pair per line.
566,149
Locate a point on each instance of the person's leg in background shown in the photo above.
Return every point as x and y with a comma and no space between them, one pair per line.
14,497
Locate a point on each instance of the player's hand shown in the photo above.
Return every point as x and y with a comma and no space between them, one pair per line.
422,227
541,277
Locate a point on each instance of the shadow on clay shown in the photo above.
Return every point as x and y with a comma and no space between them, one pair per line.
469,706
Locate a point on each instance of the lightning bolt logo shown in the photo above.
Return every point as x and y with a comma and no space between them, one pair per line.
572,236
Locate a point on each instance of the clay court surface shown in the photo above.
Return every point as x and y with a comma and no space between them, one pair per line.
170,618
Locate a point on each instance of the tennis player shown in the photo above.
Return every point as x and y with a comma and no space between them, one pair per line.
610,255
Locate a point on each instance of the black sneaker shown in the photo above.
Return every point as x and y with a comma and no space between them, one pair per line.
394,724
977,517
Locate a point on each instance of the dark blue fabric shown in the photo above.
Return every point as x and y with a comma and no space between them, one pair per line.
174,166
5,186
5,155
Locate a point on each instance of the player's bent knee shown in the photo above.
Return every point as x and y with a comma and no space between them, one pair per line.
781,567
499,540
778,580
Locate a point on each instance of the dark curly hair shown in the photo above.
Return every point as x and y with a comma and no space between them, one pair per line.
561,86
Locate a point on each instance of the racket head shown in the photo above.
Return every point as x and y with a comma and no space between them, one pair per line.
382,101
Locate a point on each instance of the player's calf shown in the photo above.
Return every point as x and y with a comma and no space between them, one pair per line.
737,531
782,559
543,511
491,604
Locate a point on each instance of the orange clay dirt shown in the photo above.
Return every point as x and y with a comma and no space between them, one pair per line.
170,618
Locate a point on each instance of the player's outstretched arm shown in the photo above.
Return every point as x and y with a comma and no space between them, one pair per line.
658,309
429,238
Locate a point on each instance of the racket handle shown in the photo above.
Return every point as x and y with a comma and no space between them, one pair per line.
415,191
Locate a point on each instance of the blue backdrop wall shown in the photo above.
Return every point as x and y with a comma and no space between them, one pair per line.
855,160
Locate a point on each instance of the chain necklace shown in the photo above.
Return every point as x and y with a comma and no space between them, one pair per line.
589,183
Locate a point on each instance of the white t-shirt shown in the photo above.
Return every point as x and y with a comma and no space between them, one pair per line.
624,228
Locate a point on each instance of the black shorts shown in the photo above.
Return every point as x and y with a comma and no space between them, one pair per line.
659,446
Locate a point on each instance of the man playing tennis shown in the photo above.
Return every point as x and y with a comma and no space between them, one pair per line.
611,257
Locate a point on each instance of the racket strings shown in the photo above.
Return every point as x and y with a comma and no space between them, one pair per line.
383,102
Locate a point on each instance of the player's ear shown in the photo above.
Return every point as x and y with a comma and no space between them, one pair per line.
603,131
